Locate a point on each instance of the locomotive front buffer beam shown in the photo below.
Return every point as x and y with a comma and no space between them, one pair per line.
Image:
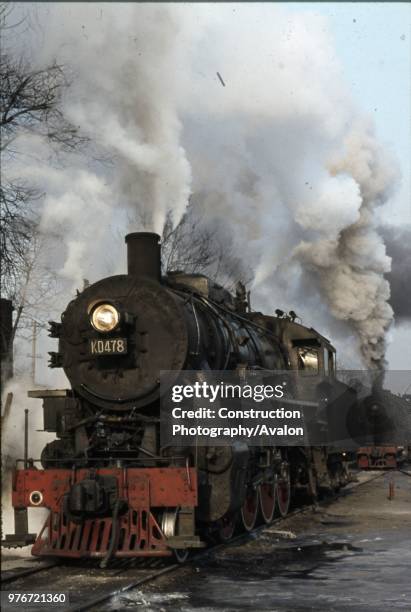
107,512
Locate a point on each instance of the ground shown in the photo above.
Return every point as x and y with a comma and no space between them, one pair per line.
352,554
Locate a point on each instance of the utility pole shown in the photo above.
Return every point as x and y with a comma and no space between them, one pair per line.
34,356
6,340
33,353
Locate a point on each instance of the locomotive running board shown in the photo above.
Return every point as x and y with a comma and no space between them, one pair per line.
45,393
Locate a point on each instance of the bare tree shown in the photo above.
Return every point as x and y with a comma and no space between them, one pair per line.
34,289
30,104
198,245
16,229
187,247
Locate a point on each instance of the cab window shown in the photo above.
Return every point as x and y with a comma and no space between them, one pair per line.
307,361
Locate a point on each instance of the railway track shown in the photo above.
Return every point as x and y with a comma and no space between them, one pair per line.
11,576
123,575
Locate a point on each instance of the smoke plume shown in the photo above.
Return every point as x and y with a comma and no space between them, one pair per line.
282,160
349,255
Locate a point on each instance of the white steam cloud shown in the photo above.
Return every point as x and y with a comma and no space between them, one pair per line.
124,63
13,449
280,157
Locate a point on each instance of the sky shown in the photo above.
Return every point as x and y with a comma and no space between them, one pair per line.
373,44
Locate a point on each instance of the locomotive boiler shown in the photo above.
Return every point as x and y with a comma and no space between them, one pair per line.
110,487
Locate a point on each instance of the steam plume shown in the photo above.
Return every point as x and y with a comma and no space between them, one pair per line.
281,158
300,175
124,63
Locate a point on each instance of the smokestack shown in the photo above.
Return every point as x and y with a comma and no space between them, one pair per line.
144,255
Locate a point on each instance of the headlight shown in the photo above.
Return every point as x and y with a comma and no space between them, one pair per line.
105,318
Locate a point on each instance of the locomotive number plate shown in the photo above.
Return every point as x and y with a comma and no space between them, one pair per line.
111,346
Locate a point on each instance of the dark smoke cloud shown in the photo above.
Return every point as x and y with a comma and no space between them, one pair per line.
398,245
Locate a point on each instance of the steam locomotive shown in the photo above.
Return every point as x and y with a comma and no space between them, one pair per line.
383,416
110,488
